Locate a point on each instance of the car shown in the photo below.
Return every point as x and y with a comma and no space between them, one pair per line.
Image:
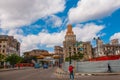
36,65
45,66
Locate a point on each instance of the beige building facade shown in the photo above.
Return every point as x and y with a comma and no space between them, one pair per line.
9,45
72,47
58,50
112,48
69,42
87,50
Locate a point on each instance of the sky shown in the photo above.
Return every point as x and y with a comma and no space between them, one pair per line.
42,24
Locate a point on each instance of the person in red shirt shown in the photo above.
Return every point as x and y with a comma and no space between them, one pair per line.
71,72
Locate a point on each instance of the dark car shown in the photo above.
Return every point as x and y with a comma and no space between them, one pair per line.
45,66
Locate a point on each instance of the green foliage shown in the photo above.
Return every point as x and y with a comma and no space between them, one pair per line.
13,59
67,59
76,56
2,57
80,55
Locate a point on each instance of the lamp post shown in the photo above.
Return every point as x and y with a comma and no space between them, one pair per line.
97,47
59,60
70,54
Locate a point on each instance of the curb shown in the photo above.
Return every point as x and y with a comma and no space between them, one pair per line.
2,70
11,69
61,72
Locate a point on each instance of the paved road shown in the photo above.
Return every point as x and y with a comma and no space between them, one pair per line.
47,74
28,74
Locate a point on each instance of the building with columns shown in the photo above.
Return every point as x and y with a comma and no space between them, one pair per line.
110,49
98,50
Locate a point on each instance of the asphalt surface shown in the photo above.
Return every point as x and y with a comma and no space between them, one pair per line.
28,74
52,74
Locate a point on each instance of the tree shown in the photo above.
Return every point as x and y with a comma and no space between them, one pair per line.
76,56
80,55
13,59
67,59
2,58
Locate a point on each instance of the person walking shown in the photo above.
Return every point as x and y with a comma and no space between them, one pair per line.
71,72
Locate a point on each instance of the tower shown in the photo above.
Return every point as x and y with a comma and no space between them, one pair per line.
69,43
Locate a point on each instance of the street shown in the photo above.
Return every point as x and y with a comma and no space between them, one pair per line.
28,74
47,74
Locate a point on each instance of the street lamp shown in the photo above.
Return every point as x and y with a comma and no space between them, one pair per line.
97,47
59,60
70,54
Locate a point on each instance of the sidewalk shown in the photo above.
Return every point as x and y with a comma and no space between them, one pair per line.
60,72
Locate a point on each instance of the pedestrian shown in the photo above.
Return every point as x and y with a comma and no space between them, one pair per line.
109,68
71,72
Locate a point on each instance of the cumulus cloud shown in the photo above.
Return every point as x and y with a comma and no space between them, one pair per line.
116,36
82,32
16,13
92,9
88,31
32,41
49,40
53,21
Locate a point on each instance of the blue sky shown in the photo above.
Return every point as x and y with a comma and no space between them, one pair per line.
41,24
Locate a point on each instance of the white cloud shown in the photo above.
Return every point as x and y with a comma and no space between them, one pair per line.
87,32
16,13
53,21
31,42
92,9
49,40
116,36
82,32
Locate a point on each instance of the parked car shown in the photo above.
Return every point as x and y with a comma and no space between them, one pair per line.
45,66
36,65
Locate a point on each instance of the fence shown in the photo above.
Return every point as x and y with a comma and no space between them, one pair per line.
94,66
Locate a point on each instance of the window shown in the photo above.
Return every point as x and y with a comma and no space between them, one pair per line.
4,46
3,51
